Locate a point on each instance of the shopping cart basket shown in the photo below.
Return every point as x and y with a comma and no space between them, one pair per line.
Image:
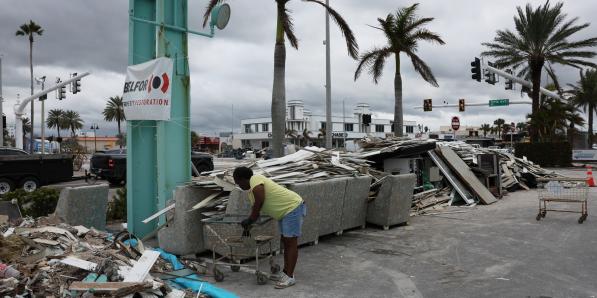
563,190
224,232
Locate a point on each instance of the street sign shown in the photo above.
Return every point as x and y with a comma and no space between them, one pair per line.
455,123
499,102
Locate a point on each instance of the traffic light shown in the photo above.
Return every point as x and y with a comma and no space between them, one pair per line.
509,82
62,93
43,97
366,119
427,105
461,105
476,69
489,76
76,85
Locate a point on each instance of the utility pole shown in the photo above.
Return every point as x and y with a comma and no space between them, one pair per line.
42,98
328,83
344,123
1,115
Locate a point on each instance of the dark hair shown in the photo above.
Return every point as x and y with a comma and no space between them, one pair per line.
242,173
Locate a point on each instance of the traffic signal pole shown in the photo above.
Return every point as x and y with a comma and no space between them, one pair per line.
20,107
521,81
478,104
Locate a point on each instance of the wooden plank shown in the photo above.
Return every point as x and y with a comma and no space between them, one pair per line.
464,172
462,191
157,214
105,286
76,262
46,241
206,201
142,267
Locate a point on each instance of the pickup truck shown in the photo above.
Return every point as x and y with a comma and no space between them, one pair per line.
20,169
111,164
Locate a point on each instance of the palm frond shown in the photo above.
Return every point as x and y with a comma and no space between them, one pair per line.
368,59
287,25
351,42
426,35
422,68
208,9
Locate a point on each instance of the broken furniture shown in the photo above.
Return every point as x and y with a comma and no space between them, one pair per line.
393,202
246,244
83,205
563,190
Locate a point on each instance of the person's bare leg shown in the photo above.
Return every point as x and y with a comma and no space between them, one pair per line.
290,254
286,259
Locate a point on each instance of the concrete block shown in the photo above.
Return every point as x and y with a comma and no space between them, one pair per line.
331,194
83,205
310,194
354,210
393,202
184,232
238,203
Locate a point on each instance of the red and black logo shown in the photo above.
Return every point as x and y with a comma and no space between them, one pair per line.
159,82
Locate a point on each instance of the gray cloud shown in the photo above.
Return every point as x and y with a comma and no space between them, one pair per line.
235,67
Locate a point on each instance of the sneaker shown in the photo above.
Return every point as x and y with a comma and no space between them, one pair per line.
275,277
285,281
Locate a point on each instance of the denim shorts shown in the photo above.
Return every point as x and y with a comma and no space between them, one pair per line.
290,225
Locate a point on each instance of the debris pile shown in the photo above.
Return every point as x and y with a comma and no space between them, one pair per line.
516,172
41,259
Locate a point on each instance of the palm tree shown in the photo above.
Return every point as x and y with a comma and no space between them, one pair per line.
306,136
114,111
584,96
403,32
285,27
554,118
521,126
542,38
73,121
30,29
26,126
498,124
56,120
485,128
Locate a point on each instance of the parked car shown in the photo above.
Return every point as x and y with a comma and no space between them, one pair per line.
20,169
111,164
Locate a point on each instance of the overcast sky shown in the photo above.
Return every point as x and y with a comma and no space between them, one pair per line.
236,67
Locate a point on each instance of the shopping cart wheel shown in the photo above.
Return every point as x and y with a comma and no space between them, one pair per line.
582,219
543,214
218,275
261,278
538,216
275,268
235,268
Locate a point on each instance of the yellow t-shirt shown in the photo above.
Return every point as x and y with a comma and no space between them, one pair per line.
279,200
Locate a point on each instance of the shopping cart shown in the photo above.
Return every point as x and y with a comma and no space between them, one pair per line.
225,232
563,190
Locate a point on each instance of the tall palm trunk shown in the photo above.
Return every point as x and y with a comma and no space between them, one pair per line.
31,76
398,118
119,134
590,137
279,89
536,67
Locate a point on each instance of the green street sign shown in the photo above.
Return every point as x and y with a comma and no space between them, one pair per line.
499,102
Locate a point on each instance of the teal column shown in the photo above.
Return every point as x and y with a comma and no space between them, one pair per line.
174,136
141,135
158,152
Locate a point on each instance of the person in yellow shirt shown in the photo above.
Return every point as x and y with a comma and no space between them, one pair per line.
283,205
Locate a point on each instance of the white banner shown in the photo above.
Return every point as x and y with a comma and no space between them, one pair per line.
584,155
148,90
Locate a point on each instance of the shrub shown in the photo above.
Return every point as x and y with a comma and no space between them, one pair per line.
117,207
40,202
546,154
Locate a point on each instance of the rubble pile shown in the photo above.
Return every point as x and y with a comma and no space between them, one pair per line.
306,165
516,172
42,258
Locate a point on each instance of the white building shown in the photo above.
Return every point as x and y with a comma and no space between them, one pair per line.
256,133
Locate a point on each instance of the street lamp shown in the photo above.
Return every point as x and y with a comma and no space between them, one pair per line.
94,127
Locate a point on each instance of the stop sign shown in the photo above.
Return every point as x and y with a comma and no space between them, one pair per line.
455,123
